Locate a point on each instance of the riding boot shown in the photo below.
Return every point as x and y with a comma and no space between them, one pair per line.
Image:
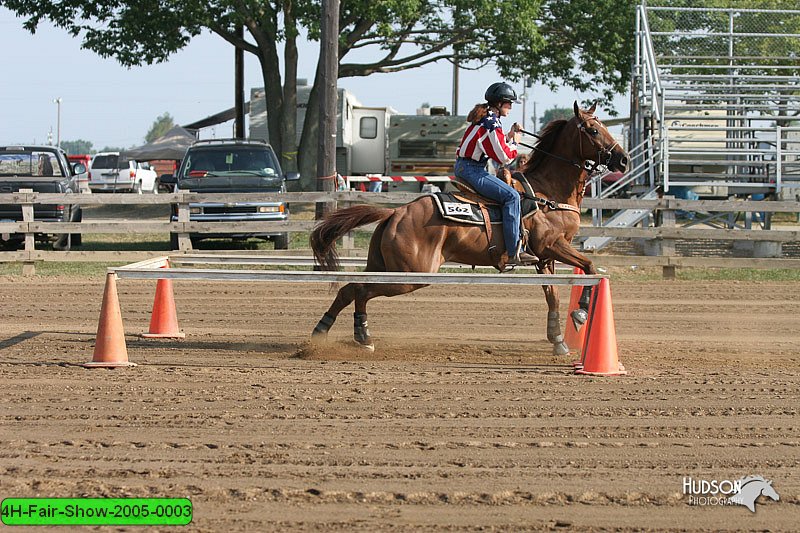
522,259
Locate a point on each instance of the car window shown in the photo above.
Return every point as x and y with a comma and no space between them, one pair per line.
105,161
230,160
31,163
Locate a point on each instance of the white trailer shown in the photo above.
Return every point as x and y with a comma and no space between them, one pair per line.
378,143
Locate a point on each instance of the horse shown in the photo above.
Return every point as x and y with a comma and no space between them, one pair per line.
751,488
416,238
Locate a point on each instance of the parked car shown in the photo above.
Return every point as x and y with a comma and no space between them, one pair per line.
111,171
82,177
232,166
43,169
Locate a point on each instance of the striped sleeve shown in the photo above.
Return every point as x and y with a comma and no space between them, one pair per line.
495,146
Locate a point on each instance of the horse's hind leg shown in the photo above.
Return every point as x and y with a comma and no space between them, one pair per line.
343,298
553,318
365,293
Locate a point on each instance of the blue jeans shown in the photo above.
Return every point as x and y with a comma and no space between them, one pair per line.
475,174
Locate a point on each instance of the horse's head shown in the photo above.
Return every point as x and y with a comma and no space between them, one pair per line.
601,147
767,490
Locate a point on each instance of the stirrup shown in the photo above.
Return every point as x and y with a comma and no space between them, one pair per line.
522,259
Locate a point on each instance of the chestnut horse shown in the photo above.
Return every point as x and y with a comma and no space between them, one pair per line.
416,238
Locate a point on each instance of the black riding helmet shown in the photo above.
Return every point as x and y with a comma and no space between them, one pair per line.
501,92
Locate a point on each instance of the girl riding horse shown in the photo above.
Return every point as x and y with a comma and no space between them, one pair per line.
416,238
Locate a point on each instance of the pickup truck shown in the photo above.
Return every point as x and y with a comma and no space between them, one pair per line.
232,166
43,169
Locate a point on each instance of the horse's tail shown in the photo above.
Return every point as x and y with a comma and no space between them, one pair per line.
337,224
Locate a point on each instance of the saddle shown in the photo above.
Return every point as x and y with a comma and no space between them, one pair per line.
468,207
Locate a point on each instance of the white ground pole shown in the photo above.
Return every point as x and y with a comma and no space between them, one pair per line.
154,269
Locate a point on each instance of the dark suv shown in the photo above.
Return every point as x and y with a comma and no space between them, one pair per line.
232,166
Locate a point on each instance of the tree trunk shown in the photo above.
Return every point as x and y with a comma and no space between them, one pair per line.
328,75
307,159
270,71
289,122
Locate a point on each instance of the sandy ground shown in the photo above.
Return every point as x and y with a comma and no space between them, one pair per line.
461,420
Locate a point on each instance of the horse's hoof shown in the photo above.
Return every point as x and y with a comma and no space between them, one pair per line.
559,348
579,317
368,347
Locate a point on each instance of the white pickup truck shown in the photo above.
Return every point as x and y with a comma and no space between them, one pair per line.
111,172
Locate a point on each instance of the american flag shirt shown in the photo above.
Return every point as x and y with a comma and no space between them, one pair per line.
486,139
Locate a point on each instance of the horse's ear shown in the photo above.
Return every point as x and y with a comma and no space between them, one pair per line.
576,108
591,109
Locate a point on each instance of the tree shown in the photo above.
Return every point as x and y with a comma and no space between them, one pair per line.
160,126
555,113
550,41
77,147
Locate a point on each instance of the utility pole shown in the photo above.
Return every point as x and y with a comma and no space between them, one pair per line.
455,84
238,98
329,70
57,101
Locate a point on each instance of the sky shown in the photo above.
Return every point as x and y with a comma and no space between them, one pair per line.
114,106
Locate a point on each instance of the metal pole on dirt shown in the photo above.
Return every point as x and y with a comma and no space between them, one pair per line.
329,70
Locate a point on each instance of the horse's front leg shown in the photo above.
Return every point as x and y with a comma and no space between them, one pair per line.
563,251
553,318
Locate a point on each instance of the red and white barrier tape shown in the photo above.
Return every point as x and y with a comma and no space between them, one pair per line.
365,179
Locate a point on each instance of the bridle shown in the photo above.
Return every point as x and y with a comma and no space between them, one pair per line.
604,153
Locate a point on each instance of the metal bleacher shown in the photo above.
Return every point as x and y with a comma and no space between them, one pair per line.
717,94
715,107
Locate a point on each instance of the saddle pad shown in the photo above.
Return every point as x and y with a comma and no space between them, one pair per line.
457,209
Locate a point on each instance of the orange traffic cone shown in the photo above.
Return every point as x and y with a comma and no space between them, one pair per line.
164,320
109,347
600,349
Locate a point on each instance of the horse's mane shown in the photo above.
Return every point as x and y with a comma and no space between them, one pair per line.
748,479
547,138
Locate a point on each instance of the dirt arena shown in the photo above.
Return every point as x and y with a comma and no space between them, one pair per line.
461,420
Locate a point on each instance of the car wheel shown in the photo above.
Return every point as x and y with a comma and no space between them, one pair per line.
281,241
63,242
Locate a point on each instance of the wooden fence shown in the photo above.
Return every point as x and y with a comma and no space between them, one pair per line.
662,236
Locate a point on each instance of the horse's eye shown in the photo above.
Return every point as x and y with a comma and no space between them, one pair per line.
593,132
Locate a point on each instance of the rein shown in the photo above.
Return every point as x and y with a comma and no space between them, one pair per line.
592,168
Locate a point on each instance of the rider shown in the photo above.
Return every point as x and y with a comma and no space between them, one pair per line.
484,140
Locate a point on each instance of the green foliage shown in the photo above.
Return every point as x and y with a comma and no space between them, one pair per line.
160,126
583,44
550,41
555,113
77,147
111,149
